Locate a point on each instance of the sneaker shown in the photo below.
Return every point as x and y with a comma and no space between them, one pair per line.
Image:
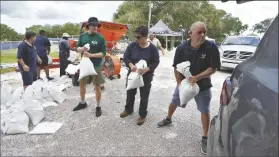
124,114
164,122
98,111
80,106
203,146
50,78
140,120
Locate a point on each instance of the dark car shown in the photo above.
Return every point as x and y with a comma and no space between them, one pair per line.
247,122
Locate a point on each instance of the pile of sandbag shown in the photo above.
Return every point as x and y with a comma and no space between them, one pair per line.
18,107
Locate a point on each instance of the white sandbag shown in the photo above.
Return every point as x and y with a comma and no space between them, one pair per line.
37,89
184,69
17,95
15,122
45,92
73,56
35,111
19,105
6,93
187,91
49,60
46,128
86,68
135,80
72,69
141,64
57,95
63,79
28,93
49,103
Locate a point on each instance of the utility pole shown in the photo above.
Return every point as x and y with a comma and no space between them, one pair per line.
149,16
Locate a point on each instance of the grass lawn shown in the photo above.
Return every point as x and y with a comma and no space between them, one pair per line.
9,56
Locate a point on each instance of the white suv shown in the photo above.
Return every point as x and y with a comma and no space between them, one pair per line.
236,49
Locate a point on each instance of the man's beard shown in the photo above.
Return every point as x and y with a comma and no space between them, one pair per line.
200,42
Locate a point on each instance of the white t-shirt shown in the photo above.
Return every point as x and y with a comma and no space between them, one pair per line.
156,42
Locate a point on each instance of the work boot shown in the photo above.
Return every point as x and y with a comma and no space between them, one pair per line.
164,122
140,120
98,111
80,106
124,114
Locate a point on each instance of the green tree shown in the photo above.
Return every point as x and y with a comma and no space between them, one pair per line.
177,13
35,28
71,28
262,26
9,34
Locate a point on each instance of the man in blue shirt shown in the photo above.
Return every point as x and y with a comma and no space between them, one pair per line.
205,60
27,59
42,45
64,53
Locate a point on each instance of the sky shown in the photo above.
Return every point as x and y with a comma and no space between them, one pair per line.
22,14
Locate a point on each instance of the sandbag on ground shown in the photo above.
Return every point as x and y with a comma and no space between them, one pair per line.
15,122
6,93
35,111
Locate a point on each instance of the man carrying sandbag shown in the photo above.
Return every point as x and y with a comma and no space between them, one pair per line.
204,58
96,52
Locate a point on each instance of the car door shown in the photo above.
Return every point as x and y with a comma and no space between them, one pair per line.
250,120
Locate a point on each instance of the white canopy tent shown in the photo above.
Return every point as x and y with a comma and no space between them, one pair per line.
161,29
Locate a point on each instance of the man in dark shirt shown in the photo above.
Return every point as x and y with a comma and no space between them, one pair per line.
204,58
27,59
64,53
42,45
136,51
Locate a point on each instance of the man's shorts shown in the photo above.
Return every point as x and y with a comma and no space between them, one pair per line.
28,77
202,100
44,61
96,79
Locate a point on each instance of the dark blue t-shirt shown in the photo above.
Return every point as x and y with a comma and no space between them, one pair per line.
64,47
28,54
134,53
201,59
42,43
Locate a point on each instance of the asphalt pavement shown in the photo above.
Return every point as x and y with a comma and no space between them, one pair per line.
82,134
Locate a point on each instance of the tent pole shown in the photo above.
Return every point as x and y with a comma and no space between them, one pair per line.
149,15
167,43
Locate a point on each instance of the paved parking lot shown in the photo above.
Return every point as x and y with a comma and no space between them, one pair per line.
84,134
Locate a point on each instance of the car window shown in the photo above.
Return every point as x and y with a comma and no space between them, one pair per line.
267,50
